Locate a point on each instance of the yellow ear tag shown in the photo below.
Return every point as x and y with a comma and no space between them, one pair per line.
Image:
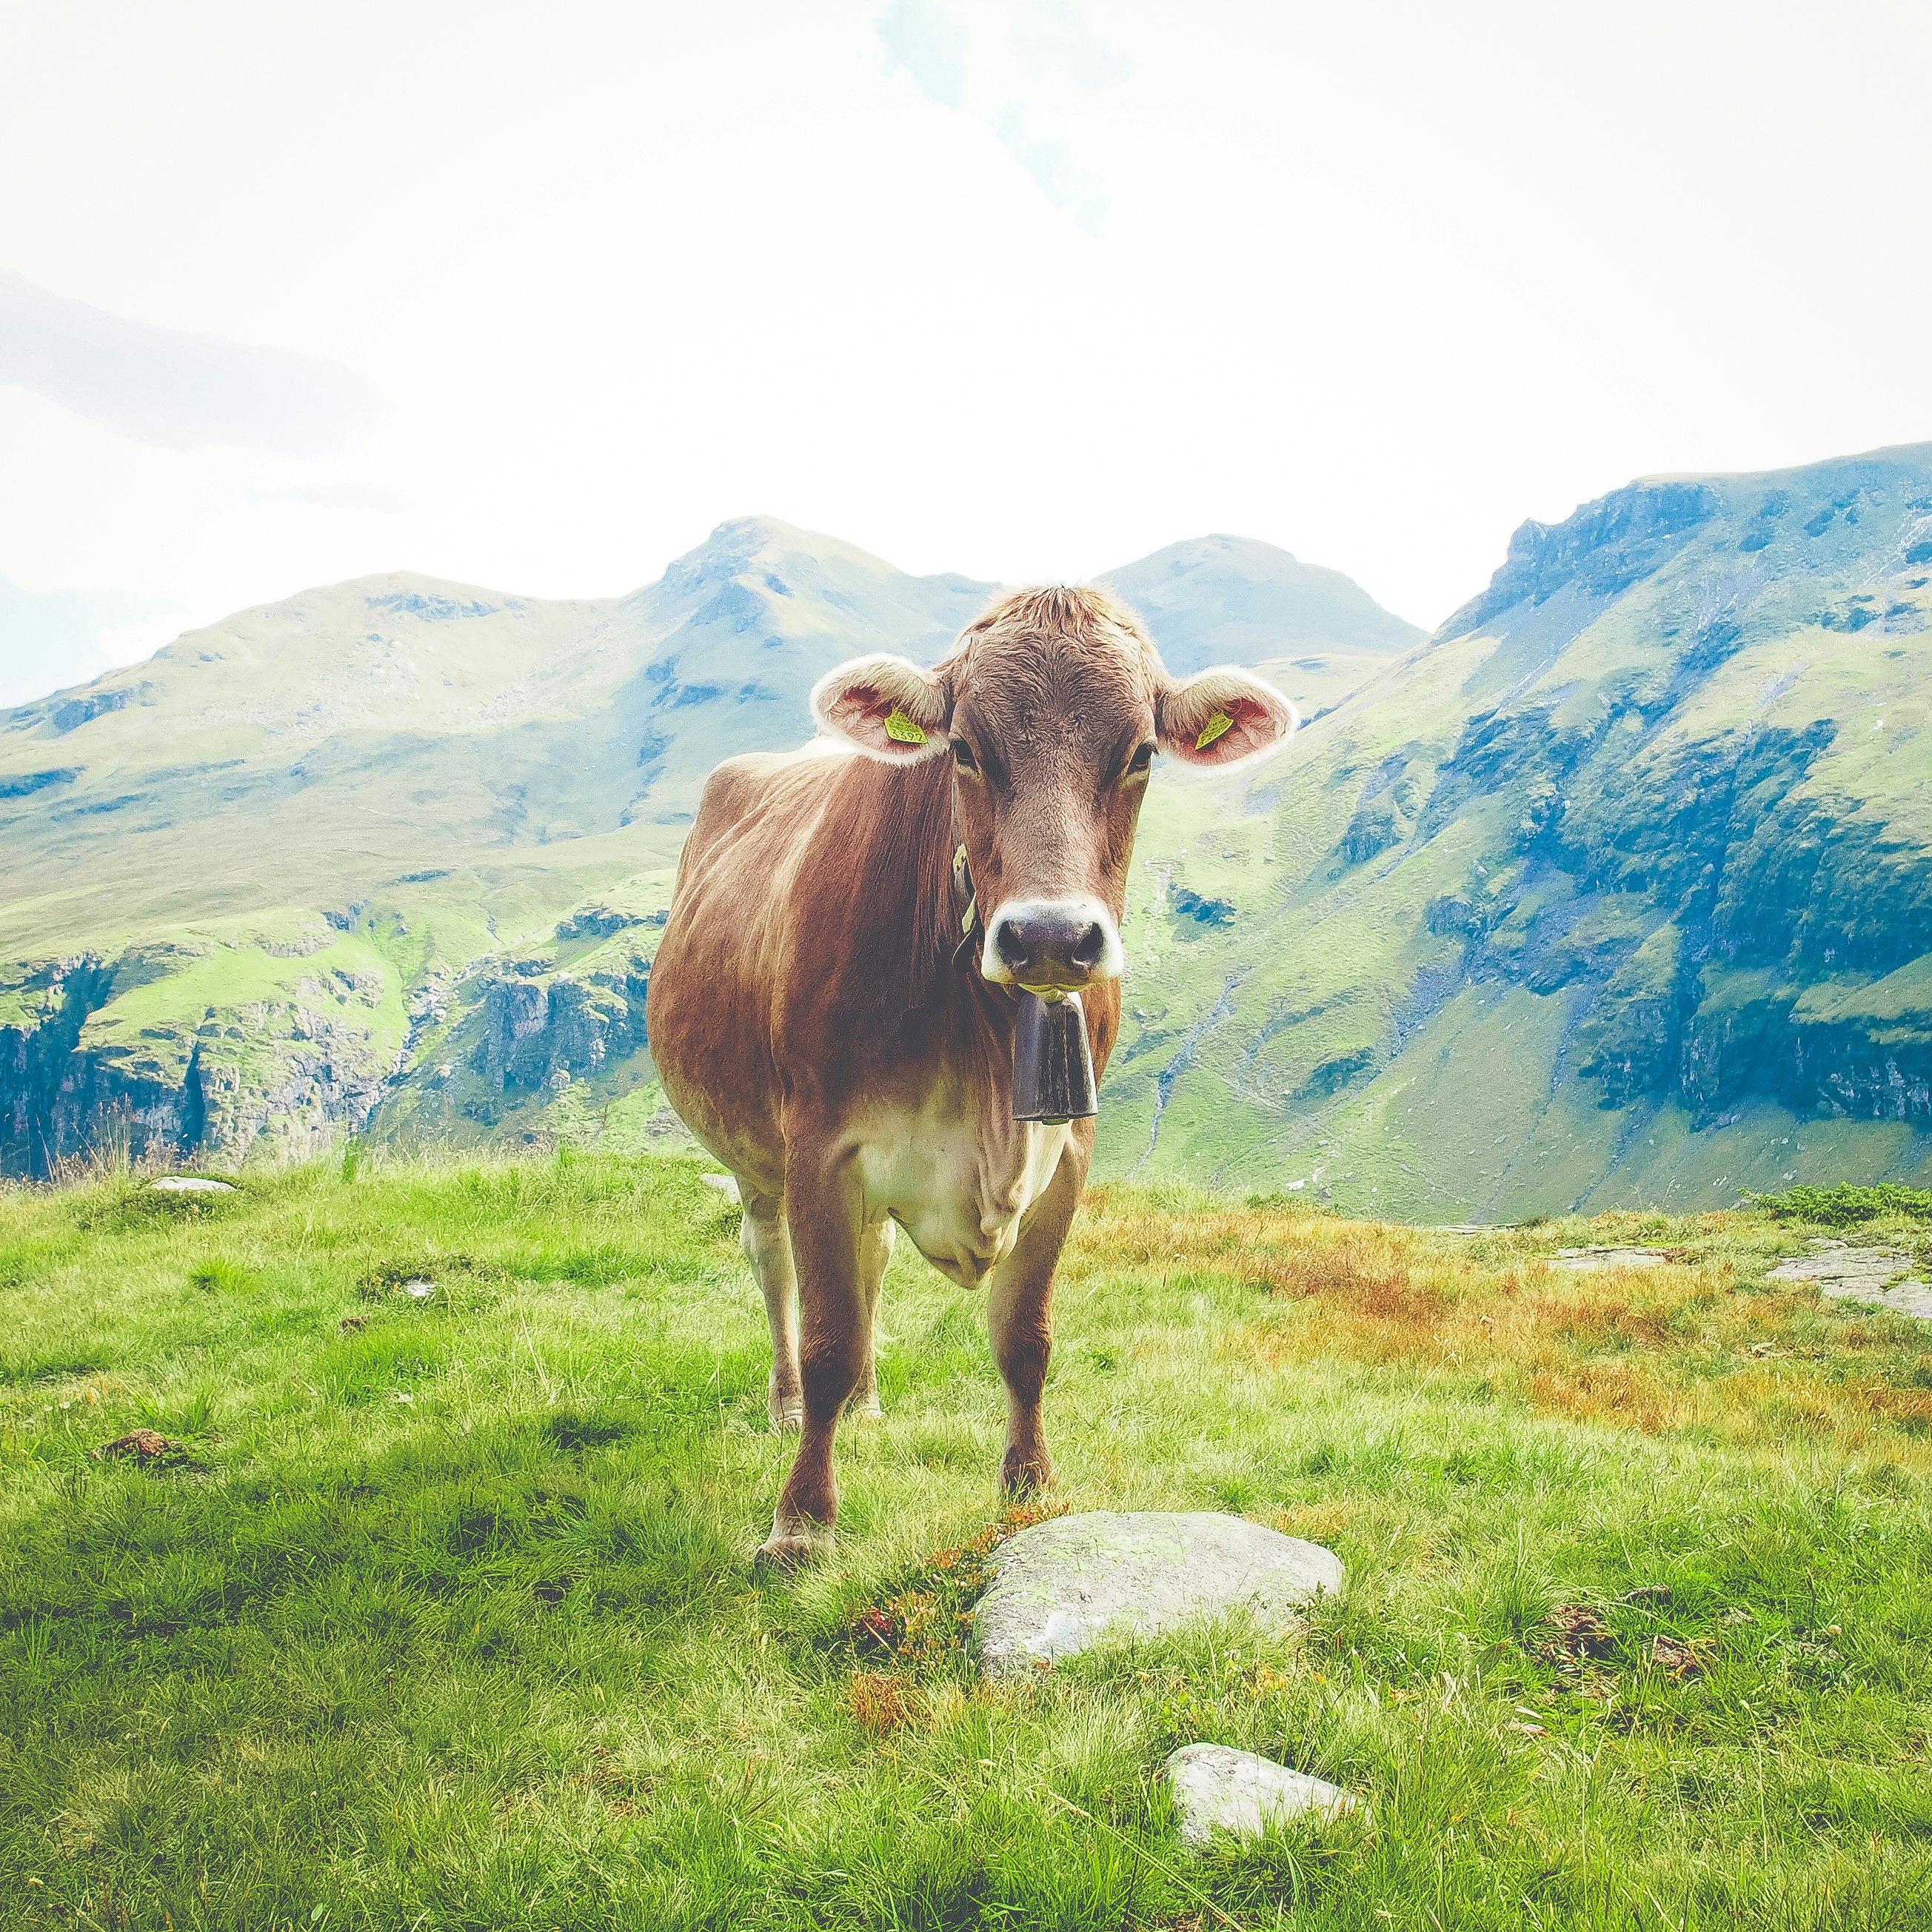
901,729
1216,724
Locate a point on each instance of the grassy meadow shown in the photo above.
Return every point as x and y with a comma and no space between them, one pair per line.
436,1612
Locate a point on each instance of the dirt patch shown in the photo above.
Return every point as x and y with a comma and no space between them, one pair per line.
1573,1632
148,1447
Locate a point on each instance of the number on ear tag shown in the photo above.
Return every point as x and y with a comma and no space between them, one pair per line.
901,729
1216,724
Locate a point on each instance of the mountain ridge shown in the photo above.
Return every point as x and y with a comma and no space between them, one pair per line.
255,881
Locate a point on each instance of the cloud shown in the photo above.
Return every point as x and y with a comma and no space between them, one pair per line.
1050,36
340,497
170,388
922,38
1045,38
51,639
1059,178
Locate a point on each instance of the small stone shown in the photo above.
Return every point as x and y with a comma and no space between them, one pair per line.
189,1184
1061,1585
1216,1788
724,1182
419,1290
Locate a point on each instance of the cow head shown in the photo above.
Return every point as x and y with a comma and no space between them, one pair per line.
1051,709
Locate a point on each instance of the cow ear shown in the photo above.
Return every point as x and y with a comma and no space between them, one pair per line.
1222,717
886,706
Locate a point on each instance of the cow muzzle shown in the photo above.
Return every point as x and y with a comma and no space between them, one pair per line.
1051,946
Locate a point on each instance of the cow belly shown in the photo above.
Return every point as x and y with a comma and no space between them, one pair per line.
959,1189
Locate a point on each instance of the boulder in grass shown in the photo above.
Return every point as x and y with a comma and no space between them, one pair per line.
1216,1788
190,1183
1062,1585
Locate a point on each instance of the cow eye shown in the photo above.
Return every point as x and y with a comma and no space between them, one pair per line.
962,755
1141,760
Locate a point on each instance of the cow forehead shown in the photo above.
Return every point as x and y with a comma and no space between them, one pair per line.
1056,662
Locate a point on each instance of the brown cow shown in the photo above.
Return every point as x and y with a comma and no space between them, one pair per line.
820,1026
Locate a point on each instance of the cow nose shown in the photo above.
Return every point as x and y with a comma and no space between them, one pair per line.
1065,943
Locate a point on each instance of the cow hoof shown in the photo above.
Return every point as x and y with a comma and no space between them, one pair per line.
1026,1475
867,1407
788,1415
785,1554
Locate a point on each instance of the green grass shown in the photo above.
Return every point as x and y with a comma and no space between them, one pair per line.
442,1617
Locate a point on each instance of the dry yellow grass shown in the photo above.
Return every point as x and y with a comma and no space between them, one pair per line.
1702,1342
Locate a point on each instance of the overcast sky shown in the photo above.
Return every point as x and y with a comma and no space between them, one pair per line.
533,298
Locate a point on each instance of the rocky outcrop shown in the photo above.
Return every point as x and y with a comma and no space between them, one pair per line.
85,1072
50,1105
1606,547
279,1042
541,1033
287,1080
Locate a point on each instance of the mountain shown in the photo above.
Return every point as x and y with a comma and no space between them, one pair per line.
1619,891
1231,600
1615,890
392,855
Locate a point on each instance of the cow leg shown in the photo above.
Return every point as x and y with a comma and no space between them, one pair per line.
824,1213
1019,1316
875,1250
768,1248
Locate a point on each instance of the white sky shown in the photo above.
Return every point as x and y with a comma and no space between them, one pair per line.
534,297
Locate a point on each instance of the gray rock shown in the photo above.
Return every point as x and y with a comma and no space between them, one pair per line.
724,1182
1873,1277
1587,1260
1059,1585
189,1184
1218,1788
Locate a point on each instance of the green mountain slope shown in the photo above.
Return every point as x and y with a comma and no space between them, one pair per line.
1617,891
394,854
248,880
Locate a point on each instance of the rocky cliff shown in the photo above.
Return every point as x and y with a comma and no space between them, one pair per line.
219,1047
1624,883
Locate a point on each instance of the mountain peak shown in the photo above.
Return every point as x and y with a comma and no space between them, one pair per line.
1252,552
1265,602
1872,512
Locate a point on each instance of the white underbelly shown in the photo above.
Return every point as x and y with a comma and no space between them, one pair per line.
960,1187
